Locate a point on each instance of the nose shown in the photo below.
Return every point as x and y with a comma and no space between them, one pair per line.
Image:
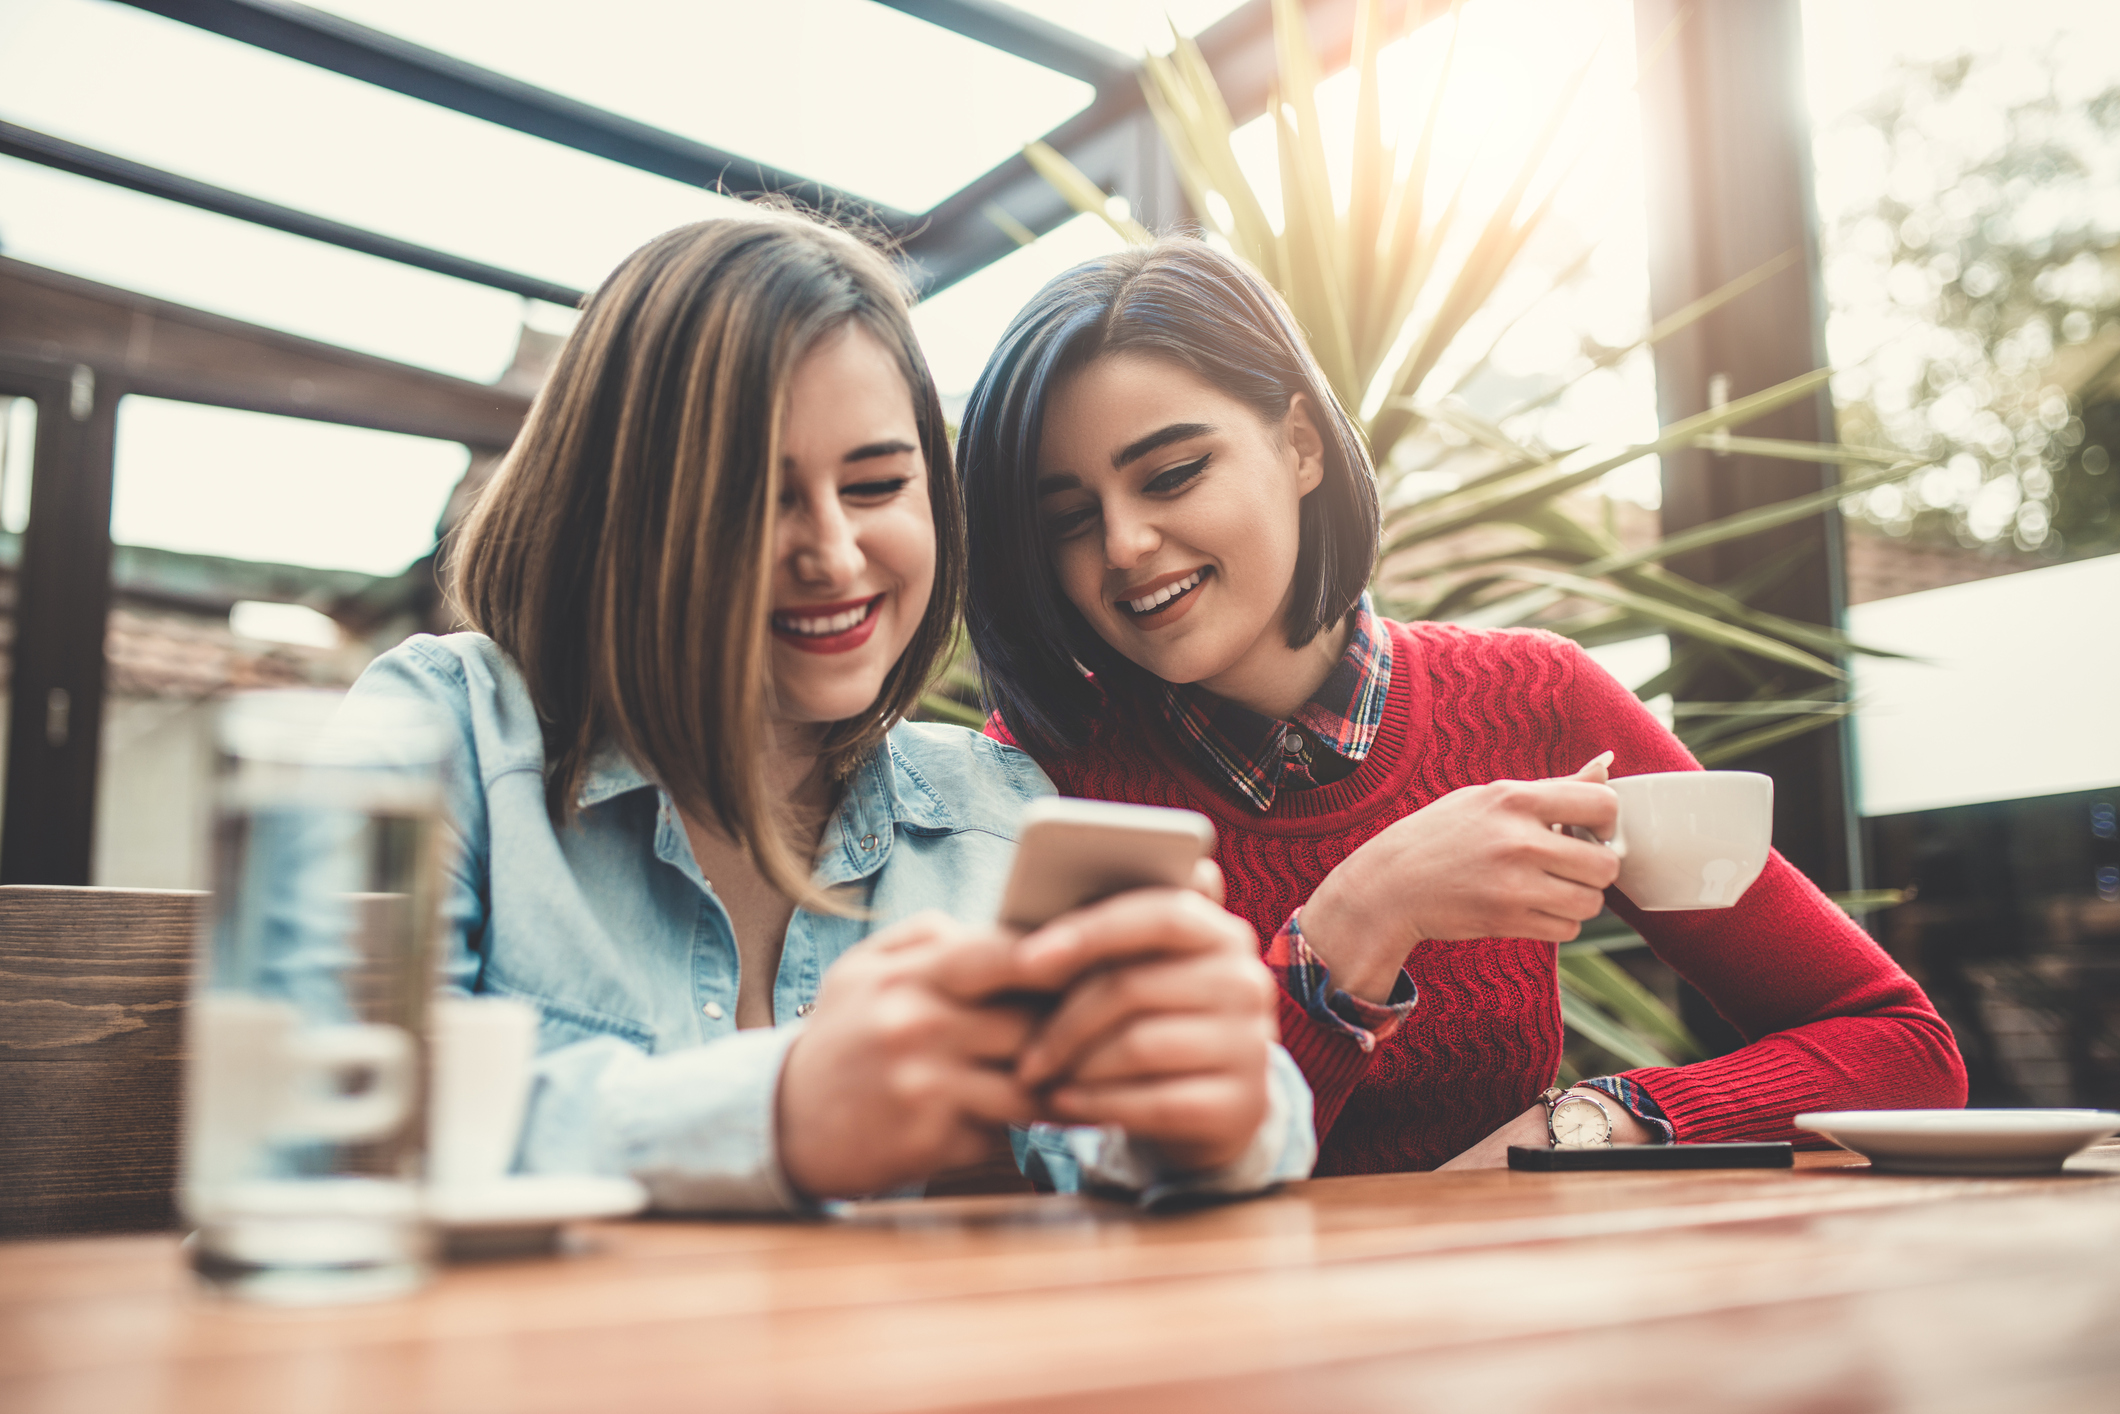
824,549
1127,539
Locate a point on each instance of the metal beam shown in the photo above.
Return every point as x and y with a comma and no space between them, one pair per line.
1113,140
48,151
166,350
1115,143
372,56
1018,32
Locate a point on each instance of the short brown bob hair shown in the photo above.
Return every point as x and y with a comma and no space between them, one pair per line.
623,556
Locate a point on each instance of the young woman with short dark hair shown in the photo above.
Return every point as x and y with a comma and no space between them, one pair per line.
1172,521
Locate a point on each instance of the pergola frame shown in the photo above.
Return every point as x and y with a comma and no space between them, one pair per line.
1730,102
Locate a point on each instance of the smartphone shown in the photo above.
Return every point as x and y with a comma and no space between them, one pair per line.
1654,1156
1073,852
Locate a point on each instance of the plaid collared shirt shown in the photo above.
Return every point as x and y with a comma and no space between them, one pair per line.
1256,755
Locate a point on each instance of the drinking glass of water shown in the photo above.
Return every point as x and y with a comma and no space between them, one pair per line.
306,1092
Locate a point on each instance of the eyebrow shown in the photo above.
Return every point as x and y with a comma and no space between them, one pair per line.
1157,440
869,451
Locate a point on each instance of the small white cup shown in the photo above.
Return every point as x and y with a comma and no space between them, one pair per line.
482,1049
259,1077
1692,839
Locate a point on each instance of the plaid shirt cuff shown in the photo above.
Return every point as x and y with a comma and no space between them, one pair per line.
1639,1103
1305,977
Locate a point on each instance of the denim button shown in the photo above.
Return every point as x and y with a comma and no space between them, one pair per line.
868,841
713,1011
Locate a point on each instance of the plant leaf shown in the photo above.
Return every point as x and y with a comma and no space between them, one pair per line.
1081,193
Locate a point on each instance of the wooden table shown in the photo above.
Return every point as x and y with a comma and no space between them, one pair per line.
1827,1289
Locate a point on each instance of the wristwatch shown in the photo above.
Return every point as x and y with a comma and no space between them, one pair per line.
1576,1121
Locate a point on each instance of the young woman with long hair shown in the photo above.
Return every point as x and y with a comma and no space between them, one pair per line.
718,568
1172,523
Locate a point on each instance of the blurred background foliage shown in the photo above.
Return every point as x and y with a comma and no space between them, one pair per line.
1975,254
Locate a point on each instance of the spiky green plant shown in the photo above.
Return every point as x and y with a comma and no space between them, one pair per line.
1385,297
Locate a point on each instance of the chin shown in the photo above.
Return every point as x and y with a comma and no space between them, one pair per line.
1182,663
821,691
834,704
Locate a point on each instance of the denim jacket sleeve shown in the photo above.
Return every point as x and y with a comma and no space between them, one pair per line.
693,1125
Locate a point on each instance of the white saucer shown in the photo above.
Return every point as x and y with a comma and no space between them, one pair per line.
1964,1141
524,1212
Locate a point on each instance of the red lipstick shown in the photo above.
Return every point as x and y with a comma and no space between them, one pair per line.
788,625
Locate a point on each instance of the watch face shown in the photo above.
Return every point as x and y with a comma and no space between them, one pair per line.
1580,1124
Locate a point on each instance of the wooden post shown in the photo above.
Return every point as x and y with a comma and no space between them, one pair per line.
1730,189
62,600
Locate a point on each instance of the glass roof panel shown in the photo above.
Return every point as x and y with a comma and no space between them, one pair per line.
233,268
1129,26
174,97
249,486
959,327
848,92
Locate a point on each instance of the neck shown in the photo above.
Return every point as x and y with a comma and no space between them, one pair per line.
1274,679
795,769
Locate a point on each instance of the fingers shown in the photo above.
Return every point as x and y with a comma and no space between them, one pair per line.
1565,802
1170,1045
1207,882
1105,1001
1596,770
973,965
990,1034
1132,926
991,1096
1212,1108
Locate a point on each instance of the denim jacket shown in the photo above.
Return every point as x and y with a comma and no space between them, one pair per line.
608,927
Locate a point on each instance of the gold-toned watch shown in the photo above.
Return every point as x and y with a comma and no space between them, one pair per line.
1576,1121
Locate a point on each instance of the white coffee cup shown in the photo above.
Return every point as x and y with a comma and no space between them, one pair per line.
1692,839
259,1077
482,1048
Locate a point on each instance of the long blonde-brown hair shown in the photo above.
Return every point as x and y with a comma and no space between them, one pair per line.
623,556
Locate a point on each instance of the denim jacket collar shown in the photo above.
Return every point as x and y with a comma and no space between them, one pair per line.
885,792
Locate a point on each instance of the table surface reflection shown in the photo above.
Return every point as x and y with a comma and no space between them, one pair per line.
1827,1288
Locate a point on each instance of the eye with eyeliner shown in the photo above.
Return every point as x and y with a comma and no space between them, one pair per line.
1164,482
1063,525
877,490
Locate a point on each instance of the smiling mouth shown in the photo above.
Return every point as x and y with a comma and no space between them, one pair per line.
828,628
1163,598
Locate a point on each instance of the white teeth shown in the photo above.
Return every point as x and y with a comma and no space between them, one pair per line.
823,627
1164,595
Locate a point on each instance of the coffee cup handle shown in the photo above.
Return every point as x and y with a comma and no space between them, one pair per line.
378,1058
1617,844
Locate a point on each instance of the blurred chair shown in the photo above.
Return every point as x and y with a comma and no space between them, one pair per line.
93,984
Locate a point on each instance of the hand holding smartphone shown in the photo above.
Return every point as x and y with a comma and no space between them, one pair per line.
1070,853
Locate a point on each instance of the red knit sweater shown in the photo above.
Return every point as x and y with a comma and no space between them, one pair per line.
1832,1022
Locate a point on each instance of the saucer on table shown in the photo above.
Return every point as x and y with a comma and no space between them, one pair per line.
1964,1141
523,1213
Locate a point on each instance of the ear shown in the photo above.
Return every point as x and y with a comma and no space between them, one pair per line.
1300,432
